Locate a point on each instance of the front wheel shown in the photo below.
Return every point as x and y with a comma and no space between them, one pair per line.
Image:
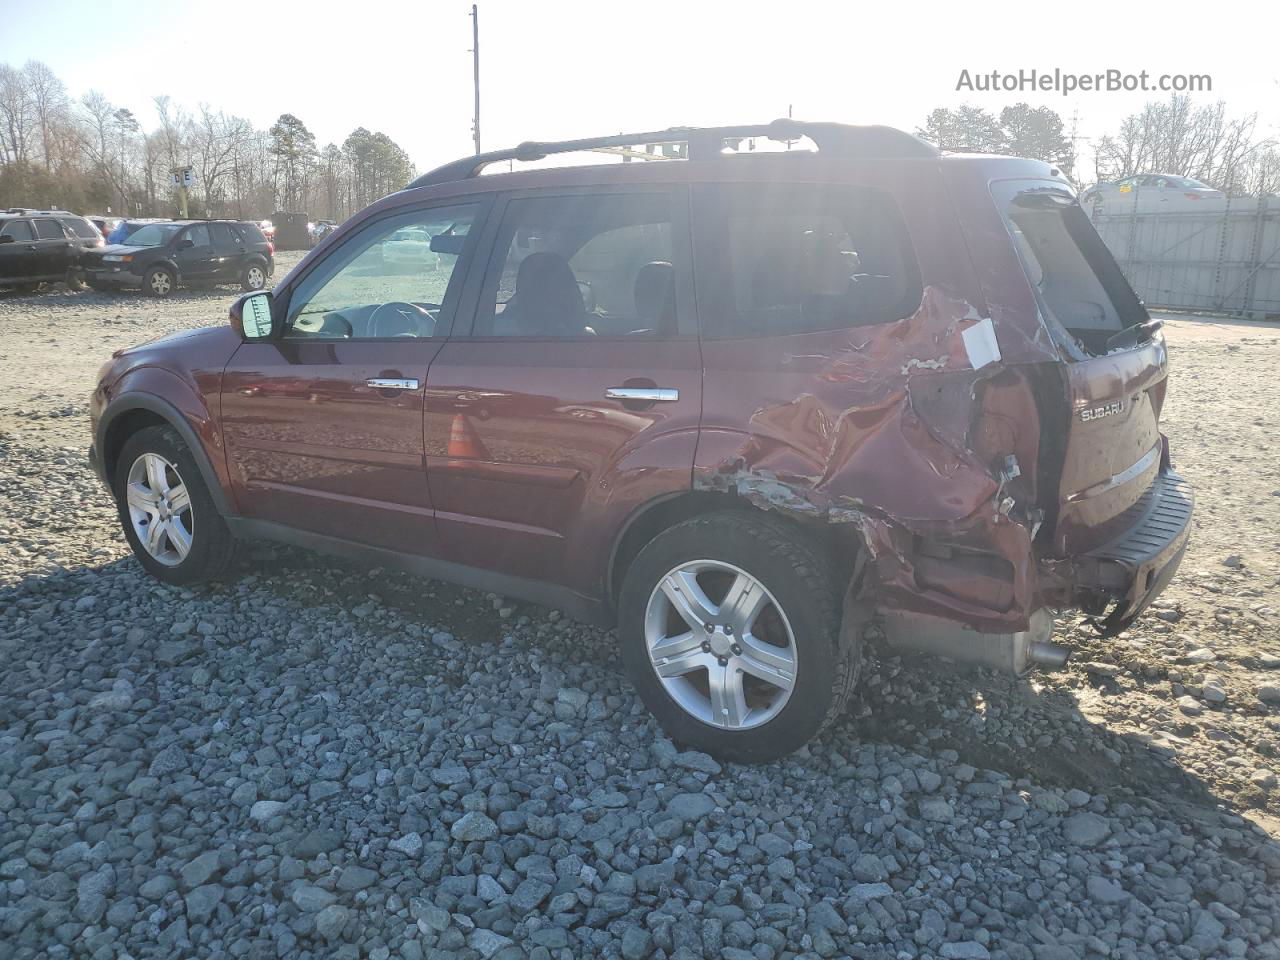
729,626
168,516
159,282
254,277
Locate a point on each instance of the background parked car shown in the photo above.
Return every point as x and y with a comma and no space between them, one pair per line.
125,227
104,224
158,257
1151,191
320,229
44,246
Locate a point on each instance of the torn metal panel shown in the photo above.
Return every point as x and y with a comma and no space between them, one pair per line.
880,434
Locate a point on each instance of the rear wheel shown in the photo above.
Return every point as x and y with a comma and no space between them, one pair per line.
729,626
168,516
159,282
254,277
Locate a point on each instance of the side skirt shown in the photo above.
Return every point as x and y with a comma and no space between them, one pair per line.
534,591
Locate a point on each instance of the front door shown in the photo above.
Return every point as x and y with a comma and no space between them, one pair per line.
324,426
583,348
19,252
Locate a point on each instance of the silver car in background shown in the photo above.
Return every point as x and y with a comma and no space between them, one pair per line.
1151,192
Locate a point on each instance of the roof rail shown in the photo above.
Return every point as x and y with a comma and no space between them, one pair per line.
705,143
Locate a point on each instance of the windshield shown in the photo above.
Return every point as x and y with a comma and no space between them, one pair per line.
152,235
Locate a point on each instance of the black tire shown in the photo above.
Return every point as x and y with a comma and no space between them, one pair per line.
798,576
212,546
253,276
153,287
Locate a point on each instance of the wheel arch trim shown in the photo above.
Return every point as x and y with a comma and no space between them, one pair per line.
126,403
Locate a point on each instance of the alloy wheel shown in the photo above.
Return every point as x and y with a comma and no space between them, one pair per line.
256,278
720,644
160,282
160,509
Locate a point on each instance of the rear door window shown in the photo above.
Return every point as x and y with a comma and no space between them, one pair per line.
597,264
20,230
1076,281
801,258
47,229
198,235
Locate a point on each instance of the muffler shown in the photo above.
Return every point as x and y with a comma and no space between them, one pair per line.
1014,653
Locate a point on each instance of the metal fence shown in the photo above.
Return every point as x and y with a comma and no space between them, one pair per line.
1220,260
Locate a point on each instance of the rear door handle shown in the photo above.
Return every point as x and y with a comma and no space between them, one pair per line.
666,394
392,383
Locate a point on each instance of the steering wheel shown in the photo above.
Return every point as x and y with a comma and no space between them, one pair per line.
401,319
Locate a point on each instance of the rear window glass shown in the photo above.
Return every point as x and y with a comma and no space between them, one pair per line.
18,229
1076,280
49,230
803,258
81,228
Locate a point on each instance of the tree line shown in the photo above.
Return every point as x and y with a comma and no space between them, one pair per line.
1177,137
91,155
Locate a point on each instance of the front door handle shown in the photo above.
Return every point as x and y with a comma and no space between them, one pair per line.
392,383
666,394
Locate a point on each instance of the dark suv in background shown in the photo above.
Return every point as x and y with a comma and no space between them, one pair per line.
737,404
159,257
44,246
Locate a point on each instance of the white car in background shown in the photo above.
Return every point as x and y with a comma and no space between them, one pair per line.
1151,192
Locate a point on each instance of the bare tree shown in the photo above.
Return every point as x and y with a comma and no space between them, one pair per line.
48,98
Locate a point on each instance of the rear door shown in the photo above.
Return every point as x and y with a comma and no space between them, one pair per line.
583,348
323,427
228,252
56,252
1114,367
195,254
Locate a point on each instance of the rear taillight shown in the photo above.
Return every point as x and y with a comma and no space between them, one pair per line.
1192,196
271,248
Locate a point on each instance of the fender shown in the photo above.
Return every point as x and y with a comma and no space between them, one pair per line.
135,400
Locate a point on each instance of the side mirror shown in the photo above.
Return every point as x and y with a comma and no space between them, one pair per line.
6,239
186,243
251,316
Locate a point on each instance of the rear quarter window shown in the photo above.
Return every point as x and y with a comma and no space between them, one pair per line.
81,228
801,258
251,232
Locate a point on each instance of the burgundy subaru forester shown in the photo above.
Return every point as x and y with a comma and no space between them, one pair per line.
740,394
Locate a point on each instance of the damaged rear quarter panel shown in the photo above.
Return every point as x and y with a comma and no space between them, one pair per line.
872,426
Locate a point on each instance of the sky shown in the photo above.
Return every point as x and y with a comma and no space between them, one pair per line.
570,69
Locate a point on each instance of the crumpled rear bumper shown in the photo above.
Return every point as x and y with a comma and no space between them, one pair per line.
1117,580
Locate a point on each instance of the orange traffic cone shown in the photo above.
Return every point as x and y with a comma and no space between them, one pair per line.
464,442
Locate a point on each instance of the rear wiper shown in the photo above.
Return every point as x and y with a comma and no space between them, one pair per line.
1135,334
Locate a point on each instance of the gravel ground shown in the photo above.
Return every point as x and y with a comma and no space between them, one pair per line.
318,760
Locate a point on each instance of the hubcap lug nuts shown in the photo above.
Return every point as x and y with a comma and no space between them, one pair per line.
722,661
706,647
737,650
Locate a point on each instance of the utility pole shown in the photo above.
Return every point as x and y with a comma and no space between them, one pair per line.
475,64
